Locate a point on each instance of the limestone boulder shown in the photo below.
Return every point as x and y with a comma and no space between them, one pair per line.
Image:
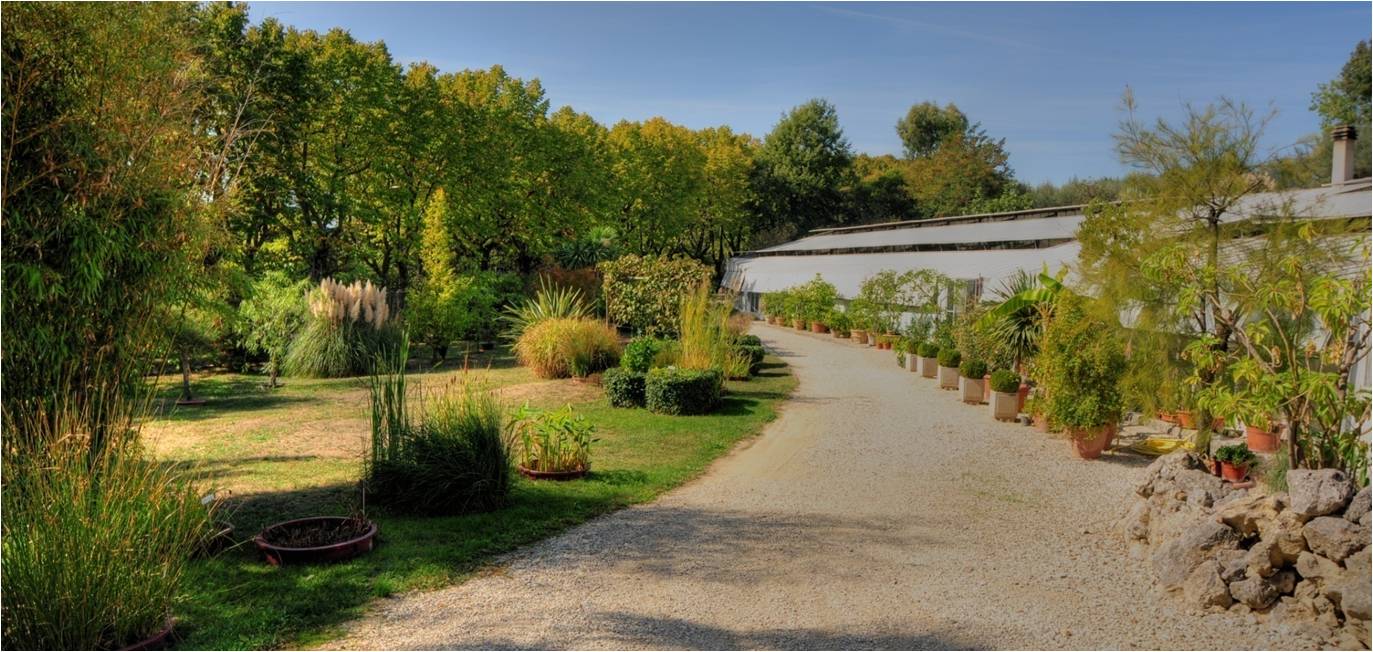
1352,588
1256,592
1204,588
1312,566
1174,561
1250,513
1318,492
1358,509
1334,538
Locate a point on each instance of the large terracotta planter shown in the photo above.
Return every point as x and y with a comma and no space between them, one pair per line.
798,324
1020,396
1005,406
929,367
278,555
1260,440
1041,422
157,641
533,474
817,327
948,377
973,389
1088,443
912,362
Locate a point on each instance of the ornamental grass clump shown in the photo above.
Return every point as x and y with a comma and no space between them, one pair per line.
707,341
96,538
550,302
345,327
554,441
563,347
454,458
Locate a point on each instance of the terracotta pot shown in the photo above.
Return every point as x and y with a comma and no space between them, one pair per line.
973,389
551,475
817,327
1260,440
1233,473
1088,443
1020,396
1005,406
859,335
279,555
798,324
929,367
1041,423
1167,417
839,334
1188,419
157,641
948,377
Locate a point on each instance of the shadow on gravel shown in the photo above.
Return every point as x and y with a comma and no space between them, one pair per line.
679,634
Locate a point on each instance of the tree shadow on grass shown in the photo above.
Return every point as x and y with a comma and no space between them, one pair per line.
166,409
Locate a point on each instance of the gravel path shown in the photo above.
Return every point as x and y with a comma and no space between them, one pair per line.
877,512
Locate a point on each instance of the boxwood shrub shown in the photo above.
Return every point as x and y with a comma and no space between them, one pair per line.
755,353
624,387
928,349
673,390
751,340
974,369
1005,381
949,357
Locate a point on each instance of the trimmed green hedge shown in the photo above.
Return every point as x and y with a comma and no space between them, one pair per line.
949,357
645,293
974,369
624,387
1005,381
751,340
682,391
755,352
928,349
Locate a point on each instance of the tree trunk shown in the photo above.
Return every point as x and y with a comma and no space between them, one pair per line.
185,373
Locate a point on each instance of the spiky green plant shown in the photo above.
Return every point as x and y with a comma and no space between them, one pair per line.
550,302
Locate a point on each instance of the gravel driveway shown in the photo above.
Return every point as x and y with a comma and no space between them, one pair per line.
877,512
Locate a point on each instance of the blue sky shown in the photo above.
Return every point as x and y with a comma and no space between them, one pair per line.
1046,77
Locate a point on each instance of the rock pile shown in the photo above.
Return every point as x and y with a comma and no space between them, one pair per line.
1297,560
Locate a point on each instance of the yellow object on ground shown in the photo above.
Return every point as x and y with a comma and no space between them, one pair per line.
1160,445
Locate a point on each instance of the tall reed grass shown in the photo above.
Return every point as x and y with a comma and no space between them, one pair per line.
709,335
96,539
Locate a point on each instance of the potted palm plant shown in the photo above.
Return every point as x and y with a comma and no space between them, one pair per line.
1085,361
1005,385
973,380
929,361
949,359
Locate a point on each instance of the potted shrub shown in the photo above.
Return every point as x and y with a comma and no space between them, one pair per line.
929,362
949,359
973,373
838,321
1261,434
554,445
910,359
1005,386
1081,363
1235,461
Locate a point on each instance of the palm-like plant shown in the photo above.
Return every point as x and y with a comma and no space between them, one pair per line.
551,302
1025,302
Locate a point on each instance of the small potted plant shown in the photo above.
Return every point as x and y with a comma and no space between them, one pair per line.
1235,462
973,374
1005,401
554,445
910,359
949,359
929,359
839,323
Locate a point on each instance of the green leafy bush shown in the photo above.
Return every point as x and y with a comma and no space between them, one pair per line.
270,318
752,340
554,440
1079,366
928,349
559,348
624,387
814,300
838,321
673,390
644,293
346,327
974,369
949,357
1005,381
640,353
454,460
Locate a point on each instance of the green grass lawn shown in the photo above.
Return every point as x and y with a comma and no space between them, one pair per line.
245,440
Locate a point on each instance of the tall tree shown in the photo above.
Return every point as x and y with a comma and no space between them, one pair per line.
927,126
804,167
1348,100
660,172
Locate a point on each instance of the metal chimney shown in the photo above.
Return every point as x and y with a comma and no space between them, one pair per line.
1342,160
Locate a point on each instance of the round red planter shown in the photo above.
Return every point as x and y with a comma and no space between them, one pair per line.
817,327
1233,473
281,555
157,641
552,475
1260,440
1167,417
1088,443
